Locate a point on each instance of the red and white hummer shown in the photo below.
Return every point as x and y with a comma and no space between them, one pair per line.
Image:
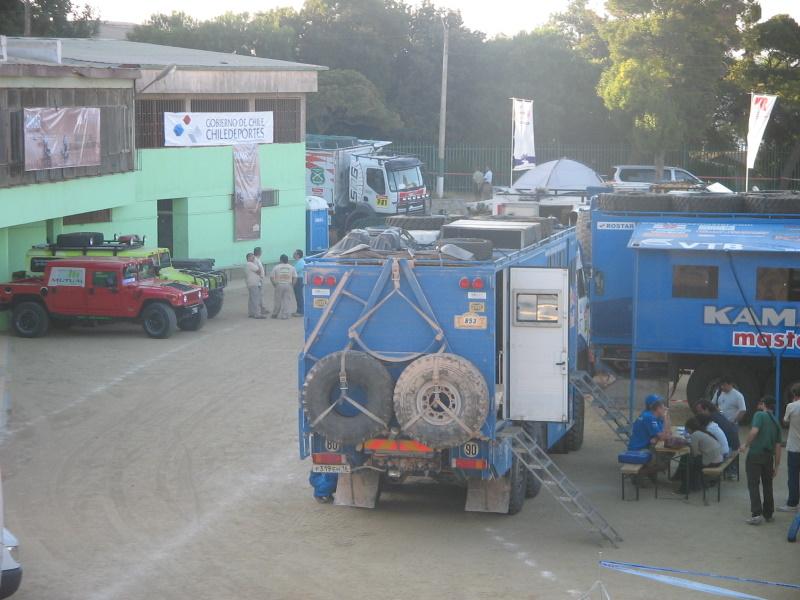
102,289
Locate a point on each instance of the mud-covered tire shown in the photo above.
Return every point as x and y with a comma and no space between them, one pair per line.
361,216
774,204
583,231
635,202
159,320
705,378
214,302
538,431
708,203
573,439
367,378
419,223
459,386
30,320
196,321
518,476
481,249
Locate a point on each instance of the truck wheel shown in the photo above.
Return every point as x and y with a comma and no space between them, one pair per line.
573,439
361,216
196,321
481,249
704,380
583,231
30,320
708,203
368,384
538,431
428,223
635,202
441,400
159,320
775,204
518,476
214,302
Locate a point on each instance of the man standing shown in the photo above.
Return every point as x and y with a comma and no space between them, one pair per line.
763,458
263,273
730,401
299,267
254,281
792,418
477,183
283,277
486,186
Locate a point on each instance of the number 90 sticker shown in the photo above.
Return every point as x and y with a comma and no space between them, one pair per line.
470,320
471,449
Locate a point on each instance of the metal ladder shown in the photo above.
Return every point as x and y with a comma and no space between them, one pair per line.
616,419
541,466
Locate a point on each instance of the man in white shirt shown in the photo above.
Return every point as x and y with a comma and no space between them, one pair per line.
254,281
792,418
730,401
486,188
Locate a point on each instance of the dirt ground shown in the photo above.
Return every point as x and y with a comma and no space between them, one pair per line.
139,468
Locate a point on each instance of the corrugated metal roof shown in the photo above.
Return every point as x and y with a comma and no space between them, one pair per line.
116,53
720,237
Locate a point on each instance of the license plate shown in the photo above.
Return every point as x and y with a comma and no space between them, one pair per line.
330,469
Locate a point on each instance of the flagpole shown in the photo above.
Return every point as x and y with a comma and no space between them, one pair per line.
511,172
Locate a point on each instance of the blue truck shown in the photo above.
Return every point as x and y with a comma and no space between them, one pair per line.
700,285
451,362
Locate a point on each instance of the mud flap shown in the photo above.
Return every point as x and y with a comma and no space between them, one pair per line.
488,495
358,489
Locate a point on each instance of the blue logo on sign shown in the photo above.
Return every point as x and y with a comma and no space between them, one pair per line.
178,130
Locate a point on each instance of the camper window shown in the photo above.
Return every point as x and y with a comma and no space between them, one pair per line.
777,284
694,281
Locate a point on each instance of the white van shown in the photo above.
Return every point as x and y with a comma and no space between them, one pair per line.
10,569
641,177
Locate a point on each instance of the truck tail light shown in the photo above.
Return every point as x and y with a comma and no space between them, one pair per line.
464,283
477,283
327,458
476,464
330,280
402,446
317,280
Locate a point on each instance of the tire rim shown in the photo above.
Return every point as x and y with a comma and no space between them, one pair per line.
155,322
27,321
431,400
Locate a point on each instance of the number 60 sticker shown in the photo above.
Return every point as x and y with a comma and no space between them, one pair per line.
332,446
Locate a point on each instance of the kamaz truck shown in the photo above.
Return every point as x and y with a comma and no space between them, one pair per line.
198,272
361,184
705,285
452,363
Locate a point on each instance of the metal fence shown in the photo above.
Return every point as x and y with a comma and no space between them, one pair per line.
725,166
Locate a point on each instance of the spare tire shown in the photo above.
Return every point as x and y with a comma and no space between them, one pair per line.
481,249
708,203
441,400
774,204
420,223
368,383
635,202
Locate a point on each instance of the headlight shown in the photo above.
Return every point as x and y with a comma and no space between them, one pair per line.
11,544
185,298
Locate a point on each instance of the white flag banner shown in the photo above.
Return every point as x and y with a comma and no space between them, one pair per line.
217,129
760,110
524,150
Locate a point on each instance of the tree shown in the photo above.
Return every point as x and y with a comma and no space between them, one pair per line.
49,18
666,59
347,103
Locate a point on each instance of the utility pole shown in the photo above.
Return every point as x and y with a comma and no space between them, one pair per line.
443,111
26,6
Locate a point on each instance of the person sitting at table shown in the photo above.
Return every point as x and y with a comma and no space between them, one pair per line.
706,424
648,429
706,452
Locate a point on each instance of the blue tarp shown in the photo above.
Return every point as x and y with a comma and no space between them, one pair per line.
719,236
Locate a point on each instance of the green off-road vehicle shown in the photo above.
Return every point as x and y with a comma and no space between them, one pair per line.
195,271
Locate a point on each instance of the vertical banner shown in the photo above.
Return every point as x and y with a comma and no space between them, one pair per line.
760,111
59,138
523,147
246,192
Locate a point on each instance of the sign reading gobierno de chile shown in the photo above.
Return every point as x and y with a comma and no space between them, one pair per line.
217,129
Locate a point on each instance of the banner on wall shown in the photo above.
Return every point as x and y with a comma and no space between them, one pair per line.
60,138
217,129
246,192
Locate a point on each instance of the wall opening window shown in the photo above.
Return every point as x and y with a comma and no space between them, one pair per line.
95,216
777,284
536,308
285,118
694,281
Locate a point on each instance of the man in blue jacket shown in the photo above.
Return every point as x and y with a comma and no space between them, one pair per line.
651,426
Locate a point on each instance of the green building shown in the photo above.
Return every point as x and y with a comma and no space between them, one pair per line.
178,197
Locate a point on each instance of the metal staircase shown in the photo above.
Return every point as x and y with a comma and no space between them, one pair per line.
616,419
556,482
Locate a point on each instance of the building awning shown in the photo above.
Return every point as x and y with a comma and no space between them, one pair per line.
722,237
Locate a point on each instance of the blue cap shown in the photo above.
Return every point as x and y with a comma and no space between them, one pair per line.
652,399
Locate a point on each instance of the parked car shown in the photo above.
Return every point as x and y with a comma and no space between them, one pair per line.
102,289
641,177
10,569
